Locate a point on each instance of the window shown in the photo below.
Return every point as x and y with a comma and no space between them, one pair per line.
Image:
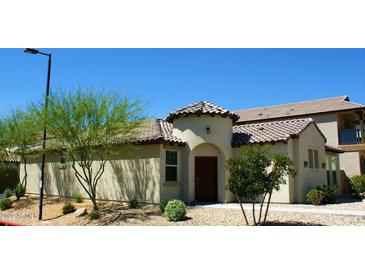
313,156
328,168
171,166
331,167
316,159
310,155
334,169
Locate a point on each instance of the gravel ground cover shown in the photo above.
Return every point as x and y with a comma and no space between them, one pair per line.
341,204
113,213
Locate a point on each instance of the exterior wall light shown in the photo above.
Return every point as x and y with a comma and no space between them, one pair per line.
323,165
207,129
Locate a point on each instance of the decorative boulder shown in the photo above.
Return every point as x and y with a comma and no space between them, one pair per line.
80,212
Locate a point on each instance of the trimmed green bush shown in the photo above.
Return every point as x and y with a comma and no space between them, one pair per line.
19,191
324,194
68,207
175,210
133,203
5,204
95,214
8,193
315,196
77,198
163,204
329,193
357,186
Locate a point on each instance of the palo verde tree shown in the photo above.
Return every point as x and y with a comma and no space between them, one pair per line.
19,131
250,178
87,127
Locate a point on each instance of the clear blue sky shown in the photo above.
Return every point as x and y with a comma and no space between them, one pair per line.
171,78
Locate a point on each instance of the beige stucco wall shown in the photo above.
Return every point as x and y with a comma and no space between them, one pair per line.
327,123
309,178
170,190
199,142
350,163
127,174
282,195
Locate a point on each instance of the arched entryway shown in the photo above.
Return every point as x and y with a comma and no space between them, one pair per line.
207,173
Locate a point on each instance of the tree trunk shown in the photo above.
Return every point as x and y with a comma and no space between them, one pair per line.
253,213
243,211
261,206
93,192
88,187
267,207
25,177
273,178
95,205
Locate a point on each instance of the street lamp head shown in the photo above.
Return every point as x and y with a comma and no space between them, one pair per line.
31,51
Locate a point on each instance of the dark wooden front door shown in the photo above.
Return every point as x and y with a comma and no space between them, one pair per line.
206,189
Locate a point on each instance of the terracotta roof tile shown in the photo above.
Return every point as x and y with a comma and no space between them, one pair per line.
298,109
269,132
202,108
157,131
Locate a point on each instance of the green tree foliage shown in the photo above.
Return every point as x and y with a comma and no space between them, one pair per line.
87,127
19,131
248,176
357,186
251,179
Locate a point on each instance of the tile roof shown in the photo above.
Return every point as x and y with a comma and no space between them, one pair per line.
156,131
298,109
269,132
202,108
152,131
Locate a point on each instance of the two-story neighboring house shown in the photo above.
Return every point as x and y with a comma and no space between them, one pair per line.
340,120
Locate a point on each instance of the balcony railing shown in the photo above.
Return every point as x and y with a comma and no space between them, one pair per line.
350,136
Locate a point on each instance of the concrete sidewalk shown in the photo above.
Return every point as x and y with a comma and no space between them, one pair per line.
293,209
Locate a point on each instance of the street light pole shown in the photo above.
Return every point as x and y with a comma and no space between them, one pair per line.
41,187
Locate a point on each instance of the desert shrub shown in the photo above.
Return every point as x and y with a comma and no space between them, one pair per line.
8,193
5,204
95,214
77,198
315,196
175,210
68,207
329,193
133,203
19,191
357,186
163,204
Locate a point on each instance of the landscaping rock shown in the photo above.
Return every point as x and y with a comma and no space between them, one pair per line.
12,198
80,212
